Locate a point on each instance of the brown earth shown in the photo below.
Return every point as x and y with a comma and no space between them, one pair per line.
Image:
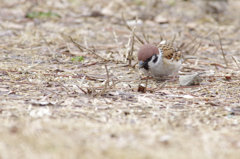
54,106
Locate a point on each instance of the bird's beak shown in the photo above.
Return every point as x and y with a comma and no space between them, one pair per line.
141,64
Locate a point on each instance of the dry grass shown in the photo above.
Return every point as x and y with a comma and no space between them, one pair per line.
53,107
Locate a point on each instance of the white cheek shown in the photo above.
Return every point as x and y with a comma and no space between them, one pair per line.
152,64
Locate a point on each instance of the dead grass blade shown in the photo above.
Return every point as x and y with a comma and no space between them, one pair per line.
82,90
146,38
211,32
106,83
223,54
48,46
129,28
235,60
82,47
118,46
130,56
197,48
173,40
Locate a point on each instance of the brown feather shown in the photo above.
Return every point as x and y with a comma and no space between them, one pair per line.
169,52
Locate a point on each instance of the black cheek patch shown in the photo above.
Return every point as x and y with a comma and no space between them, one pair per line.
146,67
145,64
155,58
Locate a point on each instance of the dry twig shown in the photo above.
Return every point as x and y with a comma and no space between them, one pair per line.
107,75
125,23
82,90
91,51
235,60
130,55
225,60
173,40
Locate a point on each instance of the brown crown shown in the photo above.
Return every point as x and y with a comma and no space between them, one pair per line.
147,51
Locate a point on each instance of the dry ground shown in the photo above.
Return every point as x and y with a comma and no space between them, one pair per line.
53,106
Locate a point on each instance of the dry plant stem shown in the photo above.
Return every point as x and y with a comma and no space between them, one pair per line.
82,90
104,90
135,65
146,83
201,40
106,84
49,48
173,40
197,48
161,86
118,46
107,75
211,32
94,63
146,38
125,23
161,37
235,61
76,44
225,60
67,90
130,57
189,43
91,51
9,75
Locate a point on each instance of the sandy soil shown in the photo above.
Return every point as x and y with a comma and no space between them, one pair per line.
54,105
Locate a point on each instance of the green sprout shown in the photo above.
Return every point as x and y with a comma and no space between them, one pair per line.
78,59
49,14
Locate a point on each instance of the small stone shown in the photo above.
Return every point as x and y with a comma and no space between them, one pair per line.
189,80
191,26
161,19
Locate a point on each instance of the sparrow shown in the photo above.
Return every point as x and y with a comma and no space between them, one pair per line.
158,61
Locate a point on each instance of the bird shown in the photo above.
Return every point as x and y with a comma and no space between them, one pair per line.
159,61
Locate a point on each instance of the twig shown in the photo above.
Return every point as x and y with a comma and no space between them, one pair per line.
125,23
225,60
211,32
201,41
90,64
76,44
82,90
49,48
163,84
146,83
107,75
197,48
185,47
118,46
130,57
63,86
134,65
91,51
146,38
106,83
173,40
144,35
161,37
235,61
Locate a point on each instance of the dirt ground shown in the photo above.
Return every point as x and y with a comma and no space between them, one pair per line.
63,100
